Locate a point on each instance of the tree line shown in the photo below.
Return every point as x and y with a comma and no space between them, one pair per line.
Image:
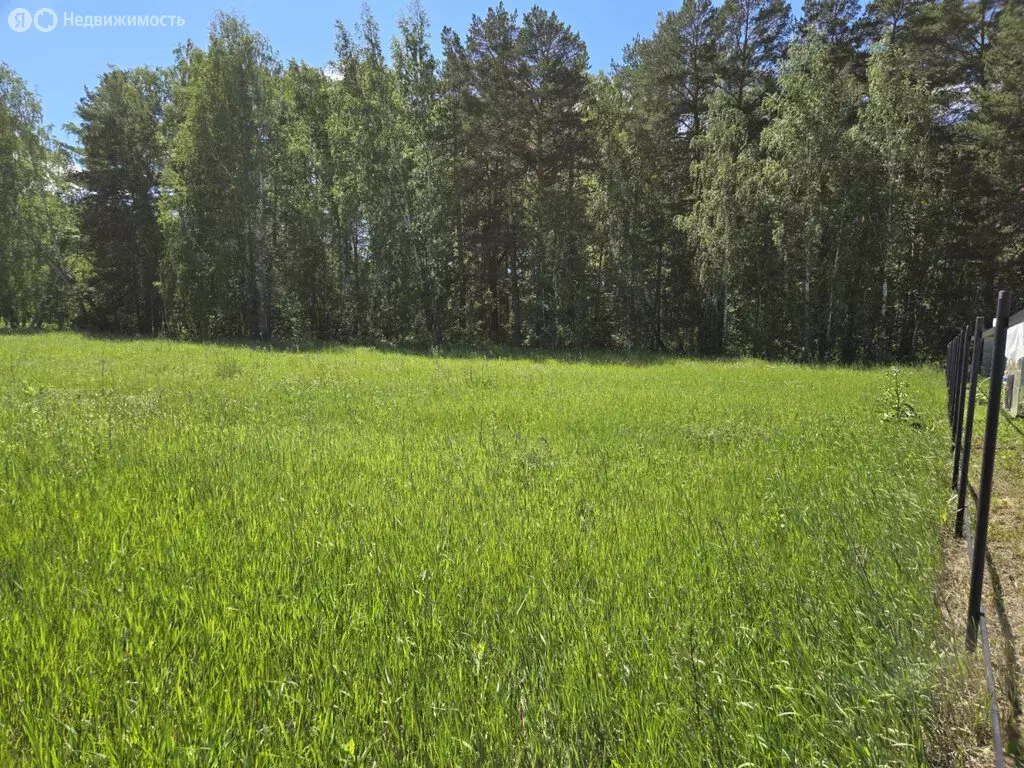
842,186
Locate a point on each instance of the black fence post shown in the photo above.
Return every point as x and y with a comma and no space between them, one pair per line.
958,405
952,393
988,460
954,353
961,504
949,386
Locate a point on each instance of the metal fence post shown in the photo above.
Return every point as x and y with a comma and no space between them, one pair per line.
949,386
988,460
961,505
953,355
958,404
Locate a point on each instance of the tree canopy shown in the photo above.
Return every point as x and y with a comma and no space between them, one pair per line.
840,186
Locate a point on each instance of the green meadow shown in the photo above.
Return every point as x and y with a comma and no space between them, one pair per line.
215,555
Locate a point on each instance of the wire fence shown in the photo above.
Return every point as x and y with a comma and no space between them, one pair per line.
964,357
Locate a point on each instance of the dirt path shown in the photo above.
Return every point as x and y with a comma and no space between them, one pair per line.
1004,584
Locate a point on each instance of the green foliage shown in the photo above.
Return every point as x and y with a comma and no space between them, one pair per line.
754,36
216,212
814,178
724,221
999,134
40,264
831,188
896,131
898,407
121,153
213,553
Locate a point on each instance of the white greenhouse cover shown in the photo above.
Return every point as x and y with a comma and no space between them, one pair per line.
1015,342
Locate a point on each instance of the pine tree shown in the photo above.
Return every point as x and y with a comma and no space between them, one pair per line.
755,34
496,143
835,23
554,267
668,80
121,155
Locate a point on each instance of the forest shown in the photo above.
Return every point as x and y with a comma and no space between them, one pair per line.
847,185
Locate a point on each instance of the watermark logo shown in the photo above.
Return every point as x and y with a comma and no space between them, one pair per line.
20,20
46,20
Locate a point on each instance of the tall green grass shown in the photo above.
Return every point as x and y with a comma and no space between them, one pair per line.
214,555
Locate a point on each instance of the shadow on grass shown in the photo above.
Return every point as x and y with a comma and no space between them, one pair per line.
412,349
6,331
590,356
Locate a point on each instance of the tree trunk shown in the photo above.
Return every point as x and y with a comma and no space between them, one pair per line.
656,343
725,315
517,316
831,300
807,310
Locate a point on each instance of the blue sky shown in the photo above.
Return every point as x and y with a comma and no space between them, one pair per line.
61,63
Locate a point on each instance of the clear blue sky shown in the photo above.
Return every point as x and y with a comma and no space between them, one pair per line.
61,63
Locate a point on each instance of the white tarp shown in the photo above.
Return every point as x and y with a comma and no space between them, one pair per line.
1015,342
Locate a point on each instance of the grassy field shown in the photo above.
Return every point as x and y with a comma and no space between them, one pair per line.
224,555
